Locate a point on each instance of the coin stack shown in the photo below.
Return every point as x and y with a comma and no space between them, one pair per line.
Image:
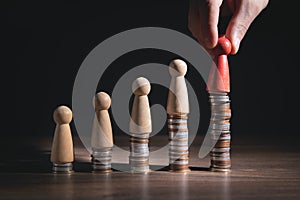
101,160
178,146
139,153
65,167
219,131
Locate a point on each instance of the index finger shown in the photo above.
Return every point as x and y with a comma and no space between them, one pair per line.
209,16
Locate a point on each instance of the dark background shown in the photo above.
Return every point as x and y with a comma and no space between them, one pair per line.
45,42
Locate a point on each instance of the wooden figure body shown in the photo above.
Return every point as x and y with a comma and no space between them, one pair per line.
219,79
140,122
62,154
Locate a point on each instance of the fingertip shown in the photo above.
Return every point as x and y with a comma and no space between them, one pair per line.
209,17
235,42
235,46
210,43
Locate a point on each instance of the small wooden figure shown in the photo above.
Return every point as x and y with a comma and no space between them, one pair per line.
62,154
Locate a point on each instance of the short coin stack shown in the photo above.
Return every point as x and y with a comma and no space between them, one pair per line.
101,160
178,146
139,154
219,131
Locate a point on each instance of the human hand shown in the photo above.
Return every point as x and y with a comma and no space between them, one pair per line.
204,16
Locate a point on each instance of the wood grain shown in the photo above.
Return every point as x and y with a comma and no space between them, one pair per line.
258,172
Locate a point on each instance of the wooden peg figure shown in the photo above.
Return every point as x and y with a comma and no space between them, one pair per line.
219,79
178,102
140,116
62,154
102,136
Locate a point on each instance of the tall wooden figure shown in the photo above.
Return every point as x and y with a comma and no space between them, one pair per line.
177,110
140,127
102,138
218,86
62,154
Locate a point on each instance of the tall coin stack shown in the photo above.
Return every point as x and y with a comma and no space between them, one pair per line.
178,146
139,154
219,131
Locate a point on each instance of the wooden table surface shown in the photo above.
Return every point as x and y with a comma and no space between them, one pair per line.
258,172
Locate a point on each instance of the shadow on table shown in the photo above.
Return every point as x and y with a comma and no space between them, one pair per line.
37,161
26,161
203,169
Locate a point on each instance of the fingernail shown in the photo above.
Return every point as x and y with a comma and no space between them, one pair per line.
236,45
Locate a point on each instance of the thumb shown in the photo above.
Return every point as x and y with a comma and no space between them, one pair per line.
238,26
